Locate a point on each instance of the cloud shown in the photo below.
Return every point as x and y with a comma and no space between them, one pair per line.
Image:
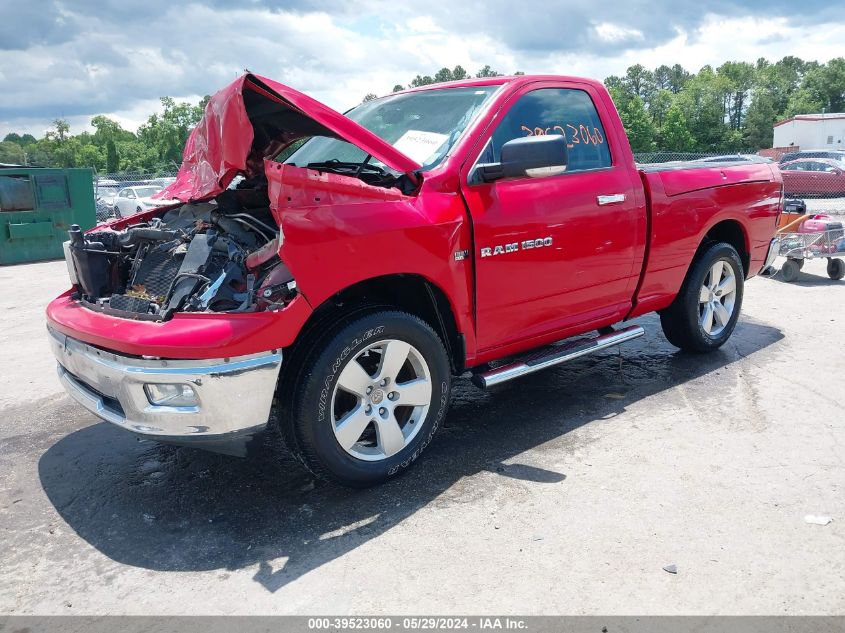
76,59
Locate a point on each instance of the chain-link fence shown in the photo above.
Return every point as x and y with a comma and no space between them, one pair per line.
817,178
120,194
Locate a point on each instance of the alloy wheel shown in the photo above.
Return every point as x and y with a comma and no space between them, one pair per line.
717,298
381,399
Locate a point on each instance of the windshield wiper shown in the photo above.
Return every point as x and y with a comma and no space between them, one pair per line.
346,166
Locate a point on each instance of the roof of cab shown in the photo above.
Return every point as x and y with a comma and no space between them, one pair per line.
516,80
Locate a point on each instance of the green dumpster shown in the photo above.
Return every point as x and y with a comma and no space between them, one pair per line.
37,206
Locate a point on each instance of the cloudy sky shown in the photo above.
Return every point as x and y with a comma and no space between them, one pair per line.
76,59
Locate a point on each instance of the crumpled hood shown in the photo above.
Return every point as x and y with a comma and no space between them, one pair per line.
252,119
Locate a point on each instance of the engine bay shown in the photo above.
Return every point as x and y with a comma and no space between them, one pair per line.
215,256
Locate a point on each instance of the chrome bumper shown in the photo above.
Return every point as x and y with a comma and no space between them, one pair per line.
233,396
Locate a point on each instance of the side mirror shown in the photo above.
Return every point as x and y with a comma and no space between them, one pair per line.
532,156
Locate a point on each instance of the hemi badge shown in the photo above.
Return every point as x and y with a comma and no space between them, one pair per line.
461,255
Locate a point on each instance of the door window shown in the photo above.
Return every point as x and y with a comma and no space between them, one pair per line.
564,111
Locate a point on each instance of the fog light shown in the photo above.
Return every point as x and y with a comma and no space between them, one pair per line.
170,395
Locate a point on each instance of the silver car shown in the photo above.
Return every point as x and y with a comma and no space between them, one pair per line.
131,200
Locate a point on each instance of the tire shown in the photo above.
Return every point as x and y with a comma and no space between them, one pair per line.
686,323
341,380
790,269
800,263
835,268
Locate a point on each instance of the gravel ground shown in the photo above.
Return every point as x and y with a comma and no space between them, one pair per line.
565,492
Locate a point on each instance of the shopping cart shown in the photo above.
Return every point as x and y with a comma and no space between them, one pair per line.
810,237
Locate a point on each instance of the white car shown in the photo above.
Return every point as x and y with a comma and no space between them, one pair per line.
133,200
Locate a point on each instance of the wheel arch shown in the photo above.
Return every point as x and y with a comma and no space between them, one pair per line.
407,292
732,232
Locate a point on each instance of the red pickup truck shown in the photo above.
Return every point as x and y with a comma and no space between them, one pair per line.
341,269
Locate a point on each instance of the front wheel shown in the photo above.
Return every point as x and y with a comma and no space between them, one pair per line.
368,399
835,268
704,314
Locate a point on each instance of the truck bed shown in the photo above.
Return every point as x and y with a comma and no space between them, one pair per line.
685,200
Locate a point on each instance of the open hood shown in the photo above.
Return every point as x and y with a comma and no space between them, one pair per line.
252,119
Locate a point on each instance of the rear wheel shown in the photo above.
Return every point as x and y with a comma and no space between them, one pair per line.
369,398
704,314
835,268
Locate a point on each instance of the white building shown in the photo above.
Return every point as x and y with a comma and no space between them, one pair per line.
811,131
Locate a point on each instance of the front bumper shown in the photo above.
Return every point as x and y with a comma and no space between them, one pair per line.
233,395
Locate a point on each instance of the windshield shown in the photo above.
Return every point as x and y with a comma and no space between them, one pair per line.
146,192
423,125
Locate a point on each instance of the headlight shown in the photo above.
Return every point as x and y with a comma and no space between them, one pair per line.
170,395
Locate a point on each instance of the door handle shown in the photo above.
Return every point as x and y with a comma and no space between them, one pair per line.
613,198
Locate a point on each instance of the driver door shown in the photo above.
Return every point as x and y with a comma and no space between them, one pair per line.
557,251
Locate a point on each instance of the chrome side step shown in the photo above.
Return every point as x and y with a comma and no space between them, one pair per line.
549,357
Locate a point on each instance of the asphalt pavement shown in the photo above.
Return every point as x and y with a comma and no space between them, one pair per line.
566,492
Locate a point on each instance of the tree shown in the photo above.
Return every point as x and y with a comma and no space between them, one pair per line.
725,110
826,84
678,78
639,82
369,97
638,126
662,77
739,78
674,133
703,103
761,116
659,105
107,129
89,155
459,72
62,129
22,140
166,134
112,158
444,74
486,71
12,152
804,101
420,81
